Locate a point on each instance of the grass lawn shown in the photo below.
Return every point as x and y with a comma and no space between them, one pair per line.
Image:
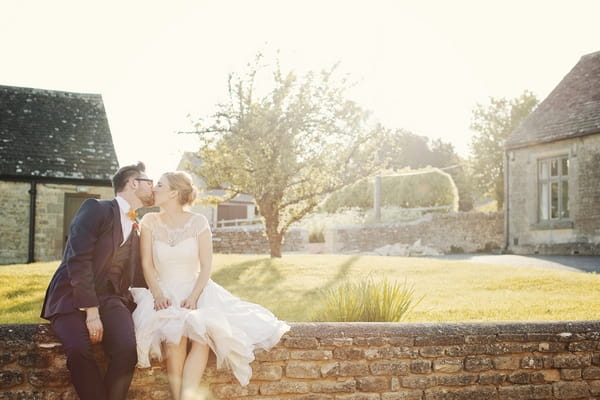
291,286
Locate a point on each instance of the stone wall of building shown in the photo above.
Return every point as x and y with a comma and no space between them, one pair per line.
49,225
14,214
252,240
449,233
352,361
580,234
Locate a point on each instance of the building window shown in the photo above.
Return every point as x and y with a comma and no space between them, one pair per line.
553,188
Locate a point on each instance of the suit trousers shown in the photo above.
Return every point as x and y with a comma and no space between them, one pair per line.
119,346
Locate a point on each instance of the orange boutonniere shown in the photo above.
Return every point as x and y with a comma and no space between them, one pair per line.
132,214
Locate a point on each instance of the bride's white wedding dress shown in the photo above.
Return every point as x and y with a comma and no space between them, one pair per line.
233,328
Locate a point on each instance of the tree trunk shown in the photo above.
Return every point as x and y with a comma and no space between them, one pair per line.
273,235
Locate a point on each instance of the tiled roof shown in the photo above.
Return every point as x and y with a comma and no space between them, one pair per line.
572,109
54,134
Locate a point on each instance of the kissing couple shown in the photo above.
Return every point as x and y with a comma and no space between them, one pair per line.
144,292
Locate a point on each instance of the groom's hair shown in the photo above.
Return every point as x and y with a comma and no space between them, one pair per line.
120,178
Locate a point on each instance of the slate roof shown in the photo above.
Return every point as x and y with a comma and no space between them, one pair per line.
54,134
572,109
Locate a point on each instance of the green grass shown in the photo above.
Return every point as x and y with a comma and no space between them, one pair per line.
291,287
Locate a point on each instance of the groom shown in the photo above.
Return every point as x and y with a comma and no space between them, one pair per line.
88,300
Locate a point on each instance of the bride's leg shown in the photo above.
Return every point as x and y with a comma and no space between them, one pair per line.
194,367
175,360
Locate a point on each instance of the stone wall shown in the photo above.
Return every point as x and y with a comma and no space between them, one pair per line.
50,205
468,232
355,361
252,240
14,214
580,234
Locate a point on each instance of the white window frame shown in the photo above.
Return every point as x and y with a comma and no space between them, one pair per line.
553,189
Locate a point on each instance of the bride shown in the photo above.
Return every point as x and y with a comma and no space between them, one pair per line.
183,314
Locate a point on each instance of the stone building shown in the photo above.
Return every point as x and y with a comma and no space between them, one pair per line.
227,213
56,150
553,169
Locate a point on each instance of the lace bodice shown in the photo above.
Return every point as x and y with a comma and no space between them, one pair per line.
175,251
195,225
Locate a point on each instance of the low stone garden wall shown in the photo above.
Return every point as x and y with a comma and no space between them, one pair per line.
357,361
469,232
252,240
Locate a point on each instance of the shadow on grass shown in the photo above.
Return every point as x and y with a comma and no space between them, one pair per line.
263,270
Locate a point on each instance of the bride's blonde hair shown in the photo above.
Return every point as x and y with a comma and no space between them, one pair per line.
184,184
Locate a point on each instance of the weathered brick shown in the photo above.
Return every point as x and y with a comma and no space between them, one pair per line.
376,341
506,362
432,351
330,369
419,382
301,343
591,373
474,393
405,352
448,365
582,346
10,378
445,340
532,362
420,366
6,358
572,361
466,350
304,370
389,368
335,342
358,396
552,375
570,390
311,355
519,377
479,363
45,378
492,378
480,339
372,384
551,347
33,360
347,386
570,374
224,391
457,379
520,392
272,355
267,372
274,388
399,341
378,353
403,395
348,368
348,353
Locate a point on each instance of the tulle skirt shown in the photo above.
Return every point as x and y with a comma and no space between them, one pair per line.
232,328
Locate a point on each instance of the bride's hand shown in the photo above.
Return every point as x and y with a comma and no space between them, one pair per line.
161,302
189,303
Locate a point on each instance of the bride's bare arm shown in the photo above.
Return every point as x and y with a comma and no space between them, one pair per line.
160,301
205,252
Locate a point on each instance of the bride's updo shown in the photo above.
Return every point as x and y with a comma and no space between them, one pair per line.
183,183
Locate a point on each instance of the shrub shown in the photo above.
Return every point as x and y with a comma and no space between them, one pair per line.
366,301
426,188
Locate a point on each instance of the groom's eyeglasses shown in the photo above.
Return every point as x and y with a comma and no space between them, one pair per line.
150,181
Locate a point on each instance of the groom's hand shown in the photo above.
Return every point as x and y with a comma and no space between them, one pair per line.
94,325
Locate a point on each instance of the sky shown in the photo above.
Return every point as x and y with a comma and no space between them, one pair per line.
422,65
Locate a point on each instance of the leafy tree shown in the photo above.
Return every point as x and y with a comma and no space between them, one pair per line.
288,147
494,122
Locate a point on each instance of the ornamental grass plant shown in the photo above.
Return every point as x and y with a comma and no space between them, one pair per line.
368,300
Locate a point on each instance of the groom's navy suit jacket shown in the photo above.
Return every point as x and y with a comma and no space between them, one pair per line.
95,235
